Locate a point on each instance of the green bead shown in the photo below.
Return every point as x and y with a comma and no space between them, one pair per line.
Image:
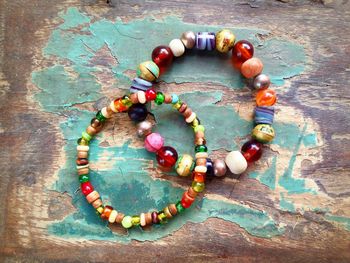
159,98
162,218
127,222
84,178
198,187
135,220
179,207
82,141
201,148
199,128
126,101
87,137
100,116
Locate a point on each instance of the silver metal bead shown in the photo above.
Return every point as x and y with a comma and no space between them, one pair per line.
261,81
188,39
144,128
219,168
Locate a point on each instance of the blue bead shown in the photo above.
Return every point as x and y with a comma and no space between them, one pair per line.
174,98
140,84
138,112
210,168
205,40
264,115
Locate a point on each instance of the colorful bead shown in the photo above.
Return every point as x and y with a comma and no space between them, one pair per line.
106,113
135,220
174,98
167,212
144,128
200,169
83,178
236,162
198,187
261,81
155,219
150,94
100,116
154,142
139,84
99,209
138,112
191,118
252,67
162,218
95,123
184,165
141,97
167,156
143,219
119,106
86,188
81,141
172,209
241,52
112,216
263,133
179,207
148,70
86,136
148,217
210,167
127,222
220,168
188,39
264,115
93,196
252,150
119,218
162,56
97,203
205,41
199,177
201,148
107,210
186,200
199,128
266,97
82,161
159,98
177,47
224,40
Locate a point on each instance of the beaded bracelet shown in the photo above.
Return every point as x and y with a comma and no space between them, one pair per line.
166,156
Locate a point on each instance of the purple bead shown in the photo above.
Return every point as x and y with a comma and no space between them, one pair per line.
155,219
205,41
140,84
264,115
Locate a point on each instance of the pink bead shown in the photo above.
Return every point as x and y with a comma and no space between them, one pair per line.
154,142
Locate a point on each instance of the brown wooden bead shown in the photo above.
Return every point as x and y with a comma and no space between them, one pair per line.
94,195
97,203
82,154
119,218
183,107
91,130
95,123
200,141
172,209
191,192
82,161
83,171
134,98
148,219
199,134
167,212
168,99
187,113
201,162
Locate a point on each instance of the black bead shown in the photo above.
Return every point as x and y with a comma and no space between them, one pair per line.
138,112
210,168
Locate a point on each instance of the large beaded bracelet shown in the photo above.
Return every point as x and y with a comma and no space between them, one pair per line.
166,156
249,66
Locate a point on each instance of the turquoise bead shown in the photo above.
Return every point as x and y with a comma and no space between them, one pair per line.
174,98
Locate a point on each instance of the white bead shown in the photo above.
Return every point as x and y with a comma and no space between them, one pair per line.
200,169
105,113
112,106
82,148
141,96
113,216
142,219
82,166
191,118
236,162
201,155
177,47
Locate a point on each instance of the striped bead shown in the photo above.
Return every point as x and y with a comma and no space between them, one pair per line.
264,115
140,84
205,41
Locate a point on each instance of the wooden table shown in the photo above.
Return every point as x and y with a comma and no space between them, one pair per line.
60,61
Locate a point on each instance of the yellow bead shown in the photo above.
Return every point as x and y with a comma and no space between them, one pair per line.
263,133
148,70
184,165
225,40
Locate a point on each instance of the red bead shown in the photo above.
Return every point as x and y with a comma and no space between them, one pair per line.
86,188
167,156
163,57
151,94
187,200
242,51
252,150
198,177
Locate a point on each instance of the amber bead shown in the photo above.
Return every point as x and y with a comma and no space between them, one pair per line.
241,52
163,57
95,123
167,156
266,97
252,150
199,177
106,212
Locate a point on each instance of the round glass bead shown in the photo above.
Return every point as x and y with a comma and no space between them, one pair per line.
159,98
86,188
100,116
263,133
138,112
154,142
150,94
225,40
174,98
184,165
127,222
241,52
252,150
167,156
135,220
201,148
83,178
266,97
162,56
210,168
82,141
198,187
148,70
199,177
179,207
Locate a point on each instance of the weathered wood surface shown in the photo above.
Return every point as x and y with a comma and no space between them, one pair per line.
316,229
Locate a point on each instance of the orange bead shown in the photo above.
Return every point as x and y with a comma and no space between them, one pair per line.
266,97
199,177
252,67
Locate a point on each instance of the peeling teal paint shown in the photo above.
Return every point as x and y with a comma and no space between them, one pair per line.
342,220
286,205
268,177
61,87
310,140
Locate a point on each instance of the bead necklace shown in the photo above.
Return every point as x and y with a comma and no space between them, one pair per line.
142,92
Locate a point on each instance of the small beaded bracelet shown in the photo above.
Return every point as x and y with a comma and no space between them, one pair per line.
166,156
